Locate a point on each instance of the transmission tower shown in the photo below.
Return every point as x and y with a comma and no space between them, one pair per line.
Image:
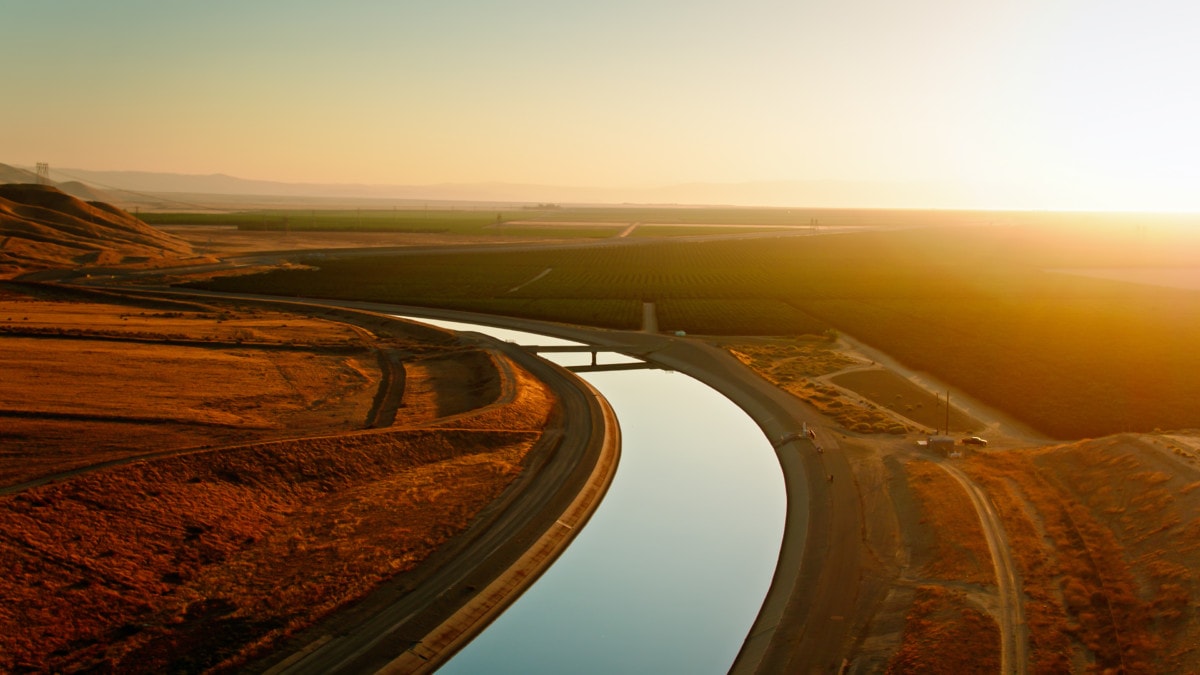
43,173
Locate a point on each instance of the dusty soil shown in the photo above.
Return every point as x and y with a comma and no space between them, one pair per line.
1107,538
62,318
197,557
805,369
1103,533
43,228
134,380
945,633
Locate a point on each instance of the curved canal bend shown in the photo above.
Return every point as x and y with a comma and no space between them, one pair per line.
820,562
670,572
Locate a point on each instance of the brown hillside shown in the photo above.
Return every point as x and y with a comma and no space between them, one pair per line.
1106,536
82,191
43,228
268,490
11,174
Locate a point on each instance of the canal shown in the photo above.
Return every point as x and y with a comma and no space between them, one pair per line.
670,572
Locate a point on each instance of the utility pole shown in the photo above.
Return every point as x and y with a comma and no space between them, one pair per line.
947,412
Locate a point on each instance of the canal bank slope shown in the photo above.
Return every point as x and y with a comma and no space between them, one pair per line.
472,618
418,620
414,625
818,573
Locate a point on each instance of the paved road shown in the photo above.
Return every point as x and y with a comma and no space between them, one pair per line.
406,610
804,624
399,615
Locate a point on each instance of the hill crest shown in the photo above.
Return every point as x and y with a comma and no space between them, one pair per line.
41,227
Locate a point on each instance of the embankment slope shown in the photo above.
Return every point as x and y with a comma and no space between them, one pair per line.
42,227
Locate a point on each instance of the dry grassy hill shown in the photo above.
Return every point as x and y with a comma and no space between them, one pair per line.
1106,536
11,174
223,476
82,191
88,193
42,227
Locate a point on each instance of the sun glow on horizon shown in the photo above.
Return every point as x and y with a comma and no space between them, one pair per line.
1025,105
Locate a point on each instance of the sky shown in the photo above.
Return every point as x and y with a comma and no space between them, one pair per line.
946,103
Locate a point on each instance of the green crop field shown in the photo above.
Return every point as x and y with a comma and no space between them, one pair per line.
360,220
560,222
977,307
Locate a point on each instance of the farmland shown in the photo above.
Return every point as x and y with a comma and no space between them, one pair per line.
338,220
887,389
978,308
580,221
189,376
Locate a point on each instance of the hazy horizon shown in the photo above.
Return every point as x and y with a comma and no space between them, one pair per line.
932,104
816,194
120,187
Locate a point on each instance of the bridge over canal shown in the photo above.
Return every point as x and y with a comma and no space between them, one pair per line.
595,366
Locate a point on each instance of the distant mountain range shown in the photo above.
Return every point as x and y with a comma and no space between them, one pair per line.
11,174
131,188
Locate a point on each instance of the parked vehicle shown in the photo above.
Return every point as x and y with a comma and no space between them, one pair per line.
974,440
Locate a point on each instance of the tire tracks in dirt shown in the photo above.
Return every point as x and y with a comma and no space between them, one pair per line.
1014,640
380,417
390,393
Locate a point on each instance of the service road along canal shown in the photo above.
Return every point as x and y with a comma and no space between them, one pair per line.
670,572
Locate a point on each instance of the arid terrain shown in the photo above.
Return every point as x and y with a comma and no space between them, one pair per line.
184,484
1102,534
44,228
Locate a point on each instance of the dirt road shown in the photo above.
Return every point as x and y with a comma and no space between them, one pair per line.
424,617
803,625
808,618
509,544
1014,639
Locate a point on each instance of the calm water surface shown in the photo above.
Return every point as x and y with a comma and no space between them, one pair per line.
670,572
